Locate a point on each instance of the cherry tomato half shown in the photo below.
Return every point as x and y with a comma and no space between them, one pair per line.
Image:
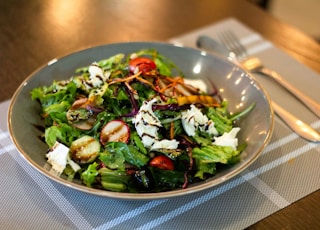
162,162
144,64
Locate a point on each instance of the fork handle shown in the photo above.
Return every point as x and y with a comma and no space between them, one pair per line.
310,103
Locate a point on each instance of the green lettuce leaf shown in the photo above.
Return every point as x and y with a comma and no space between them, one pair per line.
204,168
216,154
63,133
89,175
130,153
58,92
220,118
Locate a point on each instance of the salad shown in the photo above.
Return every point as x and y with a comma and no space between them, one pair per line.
133,123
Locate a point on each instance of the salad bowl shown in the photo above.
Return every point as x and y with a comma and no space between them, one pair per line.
231,82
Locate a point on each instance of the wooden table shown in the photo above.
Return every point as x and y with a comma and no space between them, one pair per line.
34,32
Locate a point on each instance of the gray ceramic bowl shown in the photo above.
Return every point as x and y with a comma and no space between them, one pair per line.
234,84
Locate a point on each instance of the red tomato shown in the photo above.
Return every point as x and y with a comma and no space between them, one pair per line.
144,64
162,162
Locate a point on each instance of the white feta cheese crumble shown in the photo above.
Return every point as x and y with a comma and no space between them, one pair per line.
165,144
147,125
148,135
59,157
228,139
193,118
73,164
97,77
210,128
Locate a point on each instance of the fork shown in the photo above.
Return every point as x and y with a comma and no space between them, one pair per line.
254,65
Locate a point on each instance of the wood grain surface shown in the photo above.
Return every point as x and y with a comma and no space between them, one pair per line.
34,32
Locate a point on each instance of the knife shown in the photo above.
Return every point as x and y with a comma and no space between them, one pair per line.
297,125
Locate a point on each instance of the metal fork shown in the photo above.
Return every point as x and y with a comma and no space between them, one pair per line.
254,65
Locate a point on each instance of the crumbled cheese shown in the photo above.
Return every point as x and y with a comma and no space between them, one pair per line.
165,144
148,134
188,120
193,118
228,139
210,128
73,164
97,77
147,125
59,157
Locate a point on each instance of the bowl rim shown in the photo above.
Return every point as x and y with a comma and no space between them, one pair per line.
138,196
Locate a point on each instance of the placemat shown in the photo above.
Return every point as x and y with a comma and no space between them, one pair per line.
285,172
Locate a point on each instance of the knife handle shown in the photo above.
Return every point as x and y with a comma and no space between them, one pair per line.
298,126
310,103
